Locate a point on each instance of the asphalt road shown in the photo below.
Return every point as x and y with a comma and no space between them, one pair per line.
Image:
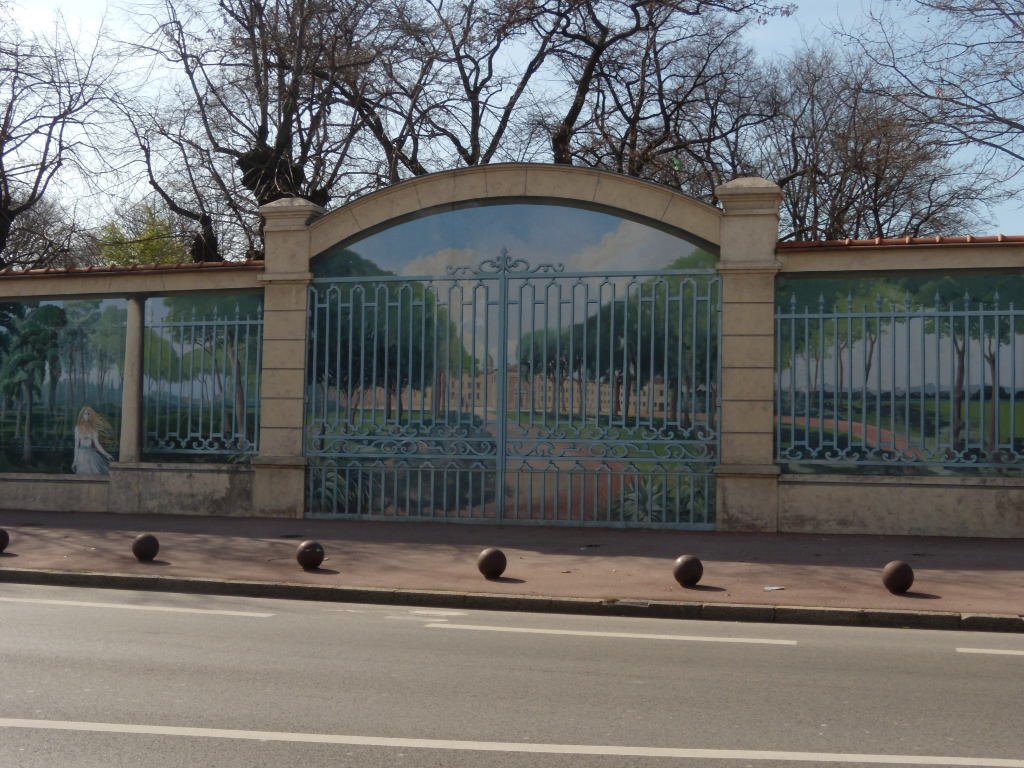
115,678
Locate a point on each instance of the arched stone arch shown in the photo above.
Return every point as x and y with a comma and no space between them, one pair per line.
519,182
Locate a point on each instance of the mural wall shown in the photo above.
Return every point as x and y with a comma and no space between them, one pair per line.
515,361
201,376
60,376
922,372
61,371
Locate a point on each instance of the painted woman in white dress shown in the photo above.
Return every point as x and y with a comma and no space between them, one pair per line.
90,456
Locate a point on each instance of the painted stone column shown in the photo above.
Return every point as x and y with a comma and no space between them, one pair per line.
747,476
280,469
130,444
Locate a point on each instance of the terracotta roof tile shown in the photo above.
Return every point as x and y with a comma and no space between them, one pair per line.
893,242
109,269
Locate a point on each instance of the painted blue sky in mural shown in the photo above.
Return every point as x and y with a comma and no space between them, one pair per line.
579,239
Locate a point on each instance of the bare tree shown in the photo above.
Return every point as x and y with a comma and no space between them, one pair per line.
48,90
489,52
249,119
675,103
590,33
854,163
48,235
958,65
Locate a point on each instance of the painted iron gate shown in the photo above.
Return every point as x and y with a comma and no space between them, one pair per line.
512,393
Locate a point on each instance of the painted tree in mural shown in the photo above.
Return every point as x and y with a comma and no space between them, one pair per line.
30,352
844,339
107,341
964,300
392,335
556,359
210,341
75,347
660,332
823,337
55,358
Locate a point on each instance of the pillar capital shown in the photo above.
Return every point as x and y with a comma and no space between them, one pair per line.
289,214
750,223
286,236
749,195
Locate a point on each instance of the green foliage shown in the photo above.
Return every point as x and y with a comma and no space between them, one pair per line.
30,349
662,498
212,306
656,331
391,334
204,346
345,263
151,240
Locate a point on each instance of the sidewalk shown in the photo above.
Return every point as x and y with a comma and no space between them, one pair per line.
959,583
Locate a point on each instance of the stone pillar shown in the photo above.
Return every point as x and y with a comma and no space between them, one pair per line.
130,450
280,469
747,476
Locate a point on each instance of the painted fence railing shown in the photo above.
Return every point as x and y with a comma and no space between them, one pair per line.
201,388
900,384
515,393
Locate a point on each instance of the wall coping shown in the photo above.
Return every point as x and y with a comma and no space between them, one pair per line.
51,477
995,482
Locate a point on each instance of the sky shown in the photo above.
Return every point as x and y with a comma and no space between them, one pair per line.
776,37
575,238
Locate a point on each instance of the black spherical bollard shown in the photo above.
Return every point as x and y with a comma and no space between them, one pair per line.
145,547
310,554
897,577
688,570
492,563
5,539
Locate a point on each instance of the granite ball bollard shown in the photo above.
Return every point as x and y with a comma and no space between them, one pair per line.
5,539
310,554
145,547
897,577
688,570
492,563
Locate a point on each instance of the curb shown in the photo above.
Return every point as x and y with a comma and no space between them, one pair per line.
777,614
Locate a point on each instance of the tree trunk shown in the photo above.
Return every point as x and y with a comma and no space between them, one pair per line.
958,394
26,445
240,422
990,358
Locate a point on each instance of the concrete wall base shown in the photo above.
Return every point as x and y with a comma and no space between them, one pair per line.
279,489
51,493
181,489
144,488
747,499
991,507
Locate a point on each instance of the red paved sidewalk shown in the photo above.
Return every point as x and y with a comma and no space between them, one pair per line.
952,575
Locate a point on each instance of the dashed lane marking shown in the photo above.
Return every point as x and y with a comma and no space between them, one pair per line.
127,607
990,651
620,635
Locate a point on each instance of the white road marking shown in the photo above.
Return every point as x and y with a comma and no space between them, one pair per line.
125,607
992,651
622,635
511,747
436,612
